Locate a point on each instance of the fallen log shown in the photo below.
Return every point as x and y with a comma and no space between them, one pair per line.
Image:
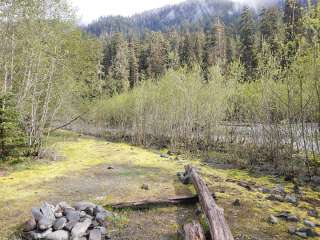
218,226
156,202
193,231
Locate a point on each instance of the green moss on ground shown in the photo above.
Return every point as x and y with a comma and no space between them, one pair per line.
84,175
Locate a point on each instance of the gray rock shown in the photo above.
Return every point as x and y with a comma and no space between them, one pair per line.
164,155
30,225
58,235
48,211
64,205
272,219
309,223
81,206
265,190
73,216
95,234
58,214
292,230
101,216
69,226
80,228
301,234
283,215
36,213
82,214
275,197
60,223
99,208
292,218
291,199
38,235
103,230
45,223
89,211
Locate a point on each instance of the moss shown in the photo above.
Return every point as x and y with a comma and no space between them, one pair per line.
86,158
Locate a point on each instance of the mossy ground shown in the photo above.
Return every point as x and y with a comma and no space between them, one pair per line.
84,175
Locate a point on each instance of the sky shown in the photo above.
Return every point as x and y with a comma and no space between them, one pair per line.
90,10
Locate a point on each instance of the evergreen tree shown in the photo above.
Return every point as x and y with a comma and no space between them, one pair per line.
133,65
247,42
269,27
187,55
119,71
11,133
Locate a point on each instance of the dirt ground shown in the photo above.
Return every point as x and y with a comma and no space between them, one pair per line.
83,173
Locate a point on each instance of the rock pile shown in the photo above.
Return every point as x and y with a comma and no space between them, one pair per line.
83,221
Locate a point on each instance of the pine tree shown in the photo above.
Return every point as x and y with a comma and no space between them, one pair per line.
133,64
247,41
11,133
119,71
187,55
269,27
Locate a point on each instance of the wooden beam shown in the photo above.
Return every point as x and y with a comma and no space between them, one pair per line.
149,203
193,231
218,226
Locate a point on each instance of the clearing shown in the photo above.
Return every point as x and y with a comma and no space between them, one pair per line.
84,174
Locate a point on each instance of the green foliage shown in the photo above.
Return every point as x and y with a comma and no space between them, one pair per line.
12,138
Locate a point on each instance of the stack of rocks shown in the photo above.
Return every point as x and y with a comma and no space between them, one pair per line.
83,221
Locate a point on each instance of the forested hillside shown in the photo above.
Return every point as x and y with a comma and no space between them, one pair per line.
190,15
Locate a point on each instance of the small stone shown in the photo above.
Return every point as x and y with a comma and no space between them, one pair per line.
60,223
82,214
64,205
58,235
236,203
301,234
265,190
291,199
164,155
80,228
272,219
45,223
275,197
279,190
145,187
309,223
30,225
316,180
73,216
292,230
101,216
34,235
110,168
95,234
283,215
292,218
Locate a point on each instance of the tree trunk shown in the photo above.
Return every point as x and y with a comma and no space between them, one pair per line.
193,231
219,228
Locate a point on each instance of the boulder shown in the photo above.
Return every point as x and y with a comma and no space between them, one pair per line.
48,211
73,216
35,235
58,235
69,226
30,225
36,213
60,223
81,206
80,228
95,234
45,223
103,230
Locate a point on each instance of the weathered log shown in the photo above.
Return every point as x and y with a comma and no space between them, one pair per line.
156,202
193,231
218,226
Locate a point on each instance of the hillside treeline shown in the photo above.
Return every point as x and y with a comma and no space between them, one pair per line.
255,93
